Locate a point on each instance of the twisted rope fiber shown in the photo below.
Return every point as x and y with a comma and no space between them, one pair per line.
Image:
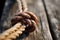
23,21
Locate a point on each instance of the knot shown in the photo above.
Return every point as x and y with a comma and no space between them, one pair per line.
26,18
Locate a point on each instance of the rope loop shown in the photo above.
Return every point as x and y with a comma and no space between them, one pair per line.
26,18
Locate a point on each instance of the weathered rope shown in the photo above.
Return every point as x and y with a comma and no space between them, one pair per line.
13,32
22,5
25,17
24,20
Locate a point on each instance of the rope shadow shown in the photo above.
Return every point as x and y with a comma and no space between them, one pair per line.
23,35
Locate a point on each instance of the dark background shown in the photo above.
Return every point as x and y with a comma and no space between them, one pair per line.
2,2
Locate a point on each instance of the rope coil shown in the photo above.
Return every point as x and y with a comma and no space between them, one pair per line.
24,20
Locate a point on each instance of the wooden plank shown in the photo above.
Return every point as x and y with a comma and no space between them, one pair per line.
42,32
53,12
44,22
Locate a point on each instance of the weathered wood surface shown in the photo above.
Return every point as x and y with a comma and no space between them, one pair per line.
53,12
48,14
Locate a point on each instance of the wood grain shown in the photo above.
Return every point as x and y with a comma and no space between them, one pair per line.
53,12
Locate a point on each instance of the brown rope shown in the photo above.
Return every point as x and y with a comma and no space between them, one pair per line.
24,20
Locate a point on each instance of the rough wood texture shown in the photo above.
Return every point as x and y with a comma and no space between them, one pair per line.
42,32
53,12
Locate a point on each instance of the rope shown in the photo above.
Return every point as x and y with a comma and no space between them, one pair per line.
13,32
20,5
24,5
23,21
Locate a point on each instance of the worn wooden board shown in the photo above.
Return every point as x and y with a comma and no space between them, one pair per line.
43,24
53,11
42,32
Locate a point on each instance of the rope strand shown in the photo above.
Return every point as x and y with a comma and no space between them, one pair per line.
20,5
24,3
13,32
